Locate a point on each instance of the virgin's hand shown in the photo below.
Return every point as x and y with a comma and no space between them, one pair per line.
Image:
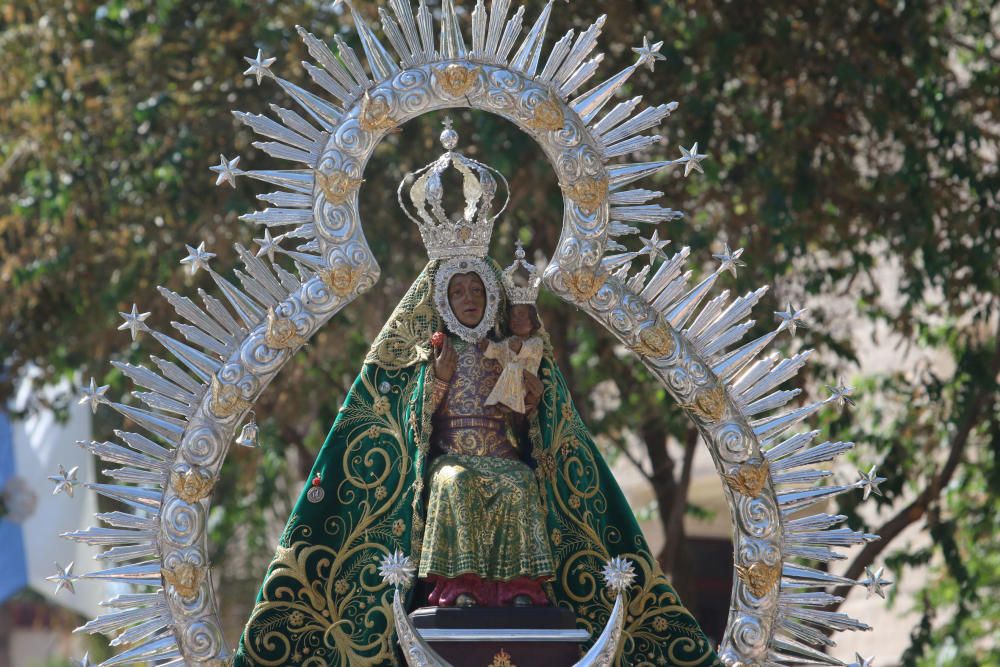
532,392
445,361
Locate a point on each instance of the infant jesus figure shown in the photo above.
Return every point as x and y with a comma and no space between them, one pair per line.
518,353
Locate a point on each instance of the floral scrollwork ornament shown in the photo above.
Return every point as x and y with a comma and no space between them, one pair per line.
546,116
191,483
709,404
456,79
375,114
341,279
750,479
588,193
184,578
337,185
759,577
281,332
656,340
584,283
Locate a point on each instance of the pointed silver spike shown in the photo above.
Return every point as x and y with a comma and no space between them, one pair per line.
323,79
716,348
827,619
324,113
143,631
276,217
772,427
618,114
221,315
584,45
591,102
173,372
647,213
739,359
136,476
510,34
617,229
686,306
322,54
288,280
286,199
793,501
784,371
813,522
297,123
753,374
110,623
353,64
638,281
527,56
808,599
127,553
261,274
112,453
706,316
826,451
200,364
109,536
143,377
624,174
479,18
631,145
266,127
404,16
803,576
187,309
667,272
790,446
581,75
451,40
811,656
158,648
425,22
837,537
299,180
737,310
141,443
248,311
133,496
556,56
126,520
498,13
771,402
804,633
810,476
142,574
380,61
283,152
196,336
671,292
256,290
813,553
646,119
168,428
396,38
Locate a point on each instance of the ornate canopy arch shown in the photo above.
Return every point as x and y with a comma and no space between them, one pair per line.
236,342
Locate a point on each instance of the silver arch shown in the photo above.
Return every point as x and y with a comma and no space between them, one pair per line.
236,343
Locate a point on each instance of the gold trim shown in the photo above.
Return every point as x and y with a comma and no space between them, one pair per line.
375,114
185,578
456,79
546,116
226,399
709,405
191,483
584,283
281,333
587,193
502,659
656,340
750,479
341,279
338,185
760,577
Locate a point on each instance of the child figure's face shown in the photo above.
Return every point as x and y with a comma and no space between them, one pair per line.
521,322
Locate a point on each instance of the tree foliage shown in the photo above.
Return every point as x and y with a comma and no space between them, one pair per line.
853,154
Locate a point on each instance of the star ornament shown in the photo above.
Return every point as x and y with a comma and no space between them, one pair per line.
396,569
259,66
84,661
862,662
730,260
841,394
653,246
94,395
648,55
134,321
63,578
618,574
227,171
65,481
268,245
692,159
875,583
869,482
197,258
791,319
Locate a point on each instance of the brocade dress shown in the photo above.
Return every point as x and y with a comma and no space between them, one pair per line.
484,513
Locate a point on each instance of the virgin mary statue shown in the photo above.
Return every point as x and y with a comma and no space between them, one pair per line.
496,507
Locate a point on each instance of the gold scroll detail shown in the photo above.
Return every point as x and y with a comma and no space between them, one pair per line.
338,185
760,577
341,279
709,404
375,114
584,283
191,483
750,478
226,399
656,340
587,193
502,659
546,116
456,79
185,578
281,332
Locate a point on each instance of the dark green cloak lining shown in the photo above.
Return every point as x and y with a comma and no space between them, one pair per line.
322,601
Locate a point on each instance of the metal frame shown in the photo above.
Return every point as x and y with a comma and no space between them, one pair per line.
237,343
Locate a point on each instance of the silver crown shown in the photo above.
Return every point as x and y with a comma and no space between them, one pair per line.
521,293
463,235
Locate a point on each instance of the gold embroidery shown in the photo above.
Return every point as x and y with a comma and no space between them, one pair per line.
587,193
456,79
749,479
709,404
337,186
760,577
281,332
502,659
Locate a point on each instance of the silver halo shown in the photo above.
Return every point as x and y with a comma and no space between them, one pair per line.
239,340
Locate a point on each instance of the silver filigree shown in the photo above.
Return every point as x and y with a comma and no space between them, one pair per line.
442,278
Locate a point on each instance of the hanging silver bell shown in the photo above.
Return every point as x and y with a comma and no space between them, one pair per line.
248,436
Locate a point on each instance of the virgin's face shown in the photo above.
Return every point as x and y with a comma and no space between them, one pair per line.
467,297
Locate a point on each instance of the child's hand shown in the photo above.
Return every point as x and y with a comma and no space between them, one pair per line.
532,392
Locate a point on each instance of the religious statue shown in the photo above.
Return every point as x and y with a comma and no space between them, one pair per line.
459,445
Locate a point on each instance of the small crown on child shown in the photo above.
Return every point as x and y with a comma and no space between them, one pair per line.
526,294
